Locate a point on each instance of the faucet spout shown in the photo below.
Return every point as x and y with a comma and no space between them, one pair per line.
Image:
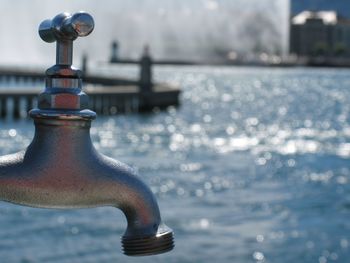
62,169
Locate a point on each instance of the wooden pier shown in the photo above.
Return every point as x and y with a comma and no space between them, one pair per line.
107,95
108,100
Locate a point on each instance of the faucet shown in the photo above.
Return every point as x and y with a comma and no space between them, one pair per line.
61,168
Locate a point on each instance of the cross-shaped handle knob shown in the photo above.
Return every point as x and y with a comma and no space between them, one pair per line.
65,28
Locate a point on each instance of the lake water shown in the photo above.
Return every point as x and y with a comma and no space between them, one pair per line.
253,167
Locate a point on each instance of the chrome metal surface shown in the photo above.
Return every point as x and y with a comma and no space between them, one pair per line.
64,28
62,169
63,82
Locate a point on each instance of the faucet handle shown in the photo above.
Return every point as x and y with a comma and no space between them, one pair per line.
63,77
66,27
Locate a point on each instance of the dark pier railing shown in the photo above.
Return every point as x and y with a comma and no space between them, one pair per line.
103,100
20,75
107,95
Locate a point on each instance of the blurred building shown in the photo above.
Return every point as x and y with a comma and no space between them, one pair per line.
322,33
342,7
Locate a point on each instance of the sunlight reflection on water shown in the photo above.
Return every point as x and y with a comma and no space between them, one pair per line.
253,167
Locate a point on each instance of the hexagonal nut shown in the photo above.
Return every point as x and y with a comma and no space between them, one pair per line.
64,71
65,100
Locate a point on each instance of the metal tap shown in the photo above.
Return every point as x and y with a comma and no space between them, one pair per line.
62,169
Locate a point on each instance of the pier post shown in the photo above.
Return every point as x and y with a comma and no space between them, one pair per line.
93,99
29,103
3,112
114,56
114,104
16,107
84,62
98,104
105,104
146,79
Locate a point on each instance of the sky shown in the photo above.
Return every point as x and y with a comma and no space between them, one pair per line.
197,29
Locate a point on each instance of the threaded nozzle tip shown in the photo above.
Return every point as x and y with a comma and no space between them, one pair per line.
162,242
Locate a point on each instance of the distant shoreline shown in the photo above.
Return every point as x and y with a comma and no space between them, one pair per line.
331,62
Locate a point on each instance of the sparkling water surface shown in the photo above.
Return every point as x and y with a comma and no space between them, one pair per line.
253,167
